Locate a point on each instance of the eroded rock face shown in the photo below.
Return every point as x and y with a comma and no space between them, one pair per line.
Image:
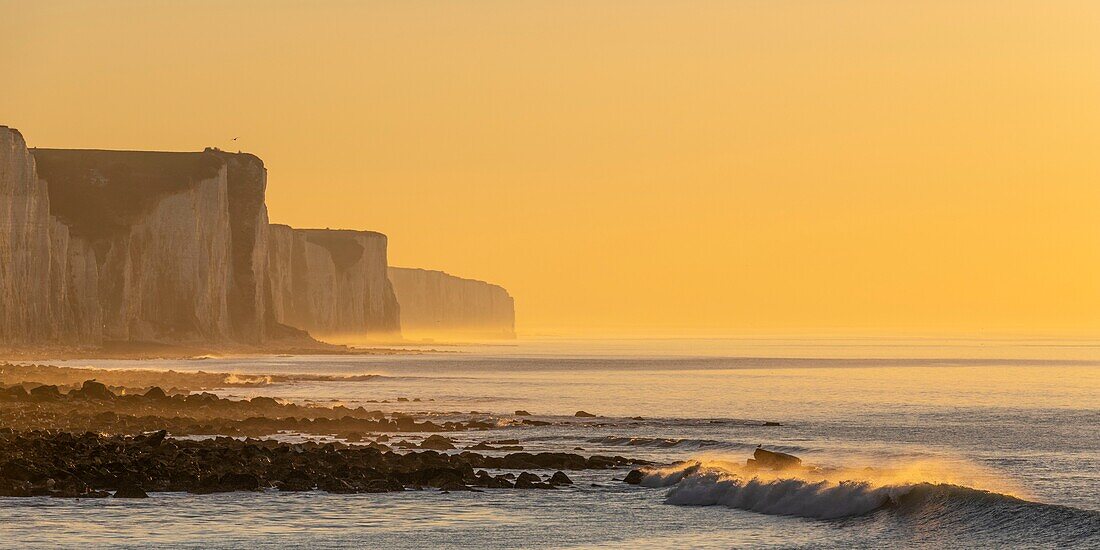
248,223
48,280
159,224
128,246
331,283
24,244
175,248
436,303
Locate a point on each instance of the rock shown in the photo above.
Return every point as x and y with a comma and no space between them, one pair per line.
583,414
559,478
353,437
64,464
634,477
527,480
774,460
238,481
522,413
437,443
155,393
95,390
484,479
264,401
130,490
772,424
45,393
156,438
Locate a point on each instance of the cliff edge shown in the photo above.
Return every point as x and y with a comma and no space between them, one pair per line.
331,283
434,303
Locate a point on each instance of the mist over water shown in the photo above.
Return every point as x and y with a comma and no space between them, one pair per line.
970,443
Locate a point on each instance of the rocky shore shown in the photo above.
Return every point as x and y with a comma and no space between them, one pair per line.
129,438
95,407
63,464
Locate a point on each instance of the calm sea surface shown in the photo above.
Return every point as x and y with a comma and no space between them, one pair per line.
986,443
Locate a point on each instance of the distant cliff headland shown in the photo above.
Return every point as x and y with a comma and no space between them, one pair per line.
113,247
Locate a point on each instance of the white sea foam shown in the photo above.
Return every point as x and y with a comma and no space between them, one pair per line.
811,493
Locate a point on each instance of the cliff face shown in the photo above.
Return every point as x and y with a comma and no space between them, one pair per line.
127,246
24,245
331,283
435,303
248,224
175,248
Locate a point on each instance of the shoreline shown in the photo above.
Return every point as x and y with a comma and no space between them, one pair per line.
131,353
89,440
67,465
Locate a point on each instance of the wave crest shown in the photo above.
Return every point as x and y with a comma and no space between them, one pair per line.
814,492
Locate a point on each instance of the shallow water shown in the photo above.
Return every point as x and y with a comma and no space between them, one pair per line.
1018,418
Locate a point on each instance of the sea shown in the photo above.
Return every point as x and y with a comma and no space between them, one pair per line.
917,443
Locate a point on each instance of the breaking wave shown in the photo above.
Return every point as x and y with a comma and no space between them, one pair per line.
940,495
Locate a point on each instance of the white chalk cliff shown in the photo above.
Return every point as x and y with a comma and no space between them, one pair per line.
98,247
102,246
436,303
331,283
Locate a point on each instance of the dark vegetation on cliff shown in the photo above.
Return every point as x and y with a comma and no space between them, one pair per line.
101,193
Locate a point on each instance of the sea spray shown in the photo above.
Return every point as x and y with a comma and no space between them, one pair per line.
813,492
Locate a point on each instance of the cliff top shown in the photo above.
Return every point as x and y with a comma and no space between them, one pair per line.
363,232
12,130
394,268
99,192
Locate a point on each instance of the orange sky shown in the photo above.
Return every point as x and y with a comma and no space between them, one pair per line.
699,166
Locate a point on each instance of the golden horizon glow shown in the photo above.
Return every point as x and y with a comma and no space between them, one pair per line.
673,167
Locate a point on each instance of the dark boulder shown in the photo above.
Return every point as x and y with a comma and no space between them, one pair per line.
45,393
130,490
264,401
437,443
18,393
559,478
95,390
522,413
634,477
527,480
774,460
156,393
583,414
